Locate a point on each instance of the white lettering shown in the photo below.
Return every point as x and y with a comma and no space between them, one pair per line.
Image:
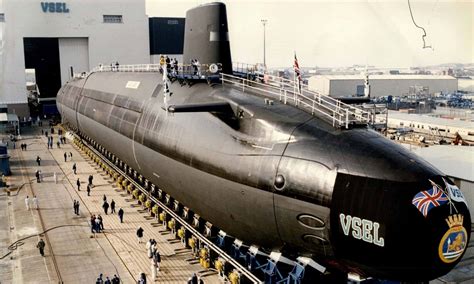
356,232
362,229
378,241
367,230
345,225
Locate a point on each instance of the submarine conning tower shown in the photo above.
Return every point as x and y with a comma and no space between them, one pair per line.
206,36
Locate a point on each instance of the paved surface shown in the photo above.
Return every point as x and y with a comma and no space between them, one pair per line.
73,254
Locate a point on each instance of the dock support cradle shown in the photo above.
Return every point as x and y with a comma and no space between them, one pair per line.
188,227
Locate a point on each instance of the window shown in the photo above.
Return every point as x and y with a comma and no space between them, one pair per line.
173,22
114,19
2,17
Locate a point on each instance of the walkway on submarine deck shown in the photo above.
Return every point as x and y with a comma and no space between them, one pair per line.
72,255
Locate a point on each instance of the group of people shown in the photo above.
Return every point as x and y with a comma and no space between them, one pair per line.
196,67
50,142
67,155
170,63
106,205
23,146
33,201
114,280
97,224
154,255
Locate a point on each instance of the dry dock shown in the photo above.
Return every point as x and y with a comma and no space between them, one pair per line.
72,254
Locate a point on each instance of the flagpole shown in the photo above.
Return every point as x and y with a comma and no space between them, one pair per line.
294,76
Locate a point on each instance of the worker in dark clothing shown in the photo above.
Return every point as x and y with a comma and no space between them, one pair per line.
78,184
112,207
106,207
65,157
90,179
140,234
41,246
38,160
74,168
120,214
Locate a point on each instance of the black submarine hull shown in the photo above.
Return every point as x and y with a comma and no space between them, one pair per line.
274,175
226,174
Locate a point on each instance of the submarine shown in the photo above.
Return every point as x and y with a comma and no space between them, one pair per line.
274,175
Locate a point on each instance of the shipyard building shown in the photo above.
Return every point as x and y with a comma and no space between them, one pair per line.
56,39
381,85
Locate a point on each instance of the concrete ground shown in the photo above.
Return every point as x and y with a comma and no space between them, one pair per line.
73,254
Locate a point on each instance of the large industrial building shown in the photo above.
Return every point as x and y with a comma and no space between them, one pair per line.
381,85
52,37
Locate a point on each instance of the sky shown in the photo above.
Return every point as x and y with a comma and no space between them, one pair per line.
343,33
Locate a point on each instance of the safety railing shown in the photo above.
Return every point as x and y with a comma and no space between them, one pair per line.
340,114
361,115
196,71
245,68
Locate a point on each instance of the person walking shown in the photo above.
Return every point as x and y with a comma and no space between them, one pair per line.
90,179
27,202
101,222
140,234
157,259
70,155
58,144
74,168
92,220
142,279
120,214
41,246
107,280
38,160
115,280
148,249
65,157
37,174
88,190
35,202
153,268
106,207
97,224
99,279
193,279
104,198
112,207
78,182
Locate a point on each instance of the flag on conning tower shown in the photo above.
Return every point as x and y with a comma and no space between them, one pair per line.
297,71
297,68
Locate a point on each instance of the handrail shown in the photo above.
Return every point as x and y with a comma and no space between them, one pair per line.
339,113
357,112
184,71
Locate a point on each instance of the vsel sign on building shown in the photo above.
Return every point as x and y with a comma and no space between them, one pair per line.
54,7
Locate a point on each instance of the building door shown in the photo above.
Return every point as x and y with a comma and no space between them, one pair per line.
42,54
73,52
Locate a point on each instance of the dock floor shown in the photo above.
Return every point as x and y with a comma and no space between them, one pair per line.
73,254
